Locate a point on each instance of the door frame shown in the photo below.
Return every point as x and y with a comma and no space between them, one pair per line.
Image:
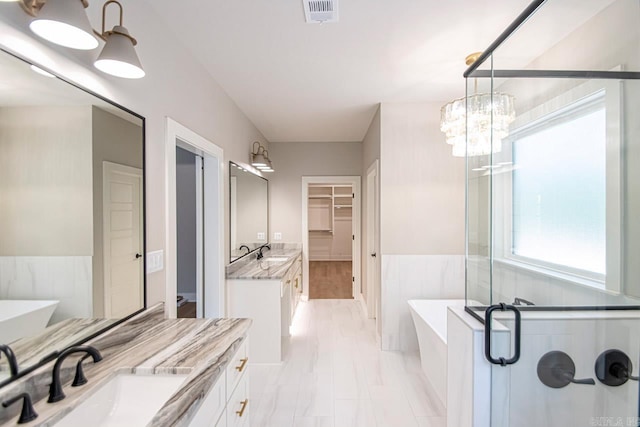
178,135
107,168
373,269
355,182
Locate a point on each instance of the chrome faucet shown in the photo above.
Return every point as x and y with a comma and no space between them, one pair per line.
247,247
260,254
11,359
55,389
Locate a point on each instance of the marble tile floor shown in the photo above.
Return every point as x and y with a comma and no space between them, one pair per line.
335,375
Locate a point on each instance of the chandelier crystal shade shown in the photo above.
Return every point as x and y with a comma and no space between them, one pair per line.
487,112
489,117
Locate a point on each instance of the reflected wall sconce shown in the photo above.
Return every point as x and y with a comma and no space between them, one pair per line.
64,22
260,158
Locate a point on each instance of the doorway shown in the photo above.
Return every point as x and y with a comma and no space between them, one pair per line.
189,198
207,181
331,237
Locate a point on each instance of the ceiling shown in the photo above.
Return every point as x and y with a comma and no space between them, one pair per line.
304,82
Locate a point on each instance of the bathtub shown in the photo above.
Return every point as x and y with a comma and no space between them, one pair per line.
430,320
23,318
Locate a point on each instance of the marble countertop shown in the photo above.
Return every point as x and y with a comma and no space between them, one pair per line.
31,350
145,344
251,268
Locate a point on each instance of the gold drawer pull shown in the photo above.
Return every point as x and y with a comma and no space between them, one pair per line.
241,367
296,282
244,406
288,281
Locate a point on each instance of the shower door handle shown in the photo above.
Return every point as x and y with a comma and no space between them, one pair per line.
487,334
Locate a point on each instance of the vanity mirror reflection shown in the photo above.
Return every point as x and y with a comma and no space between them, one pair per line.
71,213
249,211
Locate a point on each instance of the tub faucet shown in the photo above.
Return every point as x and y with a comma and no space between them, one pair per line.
11,359
260,254
55,389
246,247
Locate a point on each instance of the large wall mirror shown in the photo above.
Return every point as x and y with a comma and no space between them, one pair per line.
71,213
249,211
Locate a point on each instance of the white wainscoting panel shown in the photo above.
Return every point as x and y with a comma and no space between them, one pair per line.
406,277
67,279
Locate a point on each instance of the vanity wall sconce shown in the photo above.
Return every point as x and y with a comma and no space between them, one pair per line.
260,158
64,22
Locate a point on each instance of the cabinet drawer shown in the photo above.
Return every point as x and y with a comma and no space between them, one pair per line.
238,365
239,406
212,406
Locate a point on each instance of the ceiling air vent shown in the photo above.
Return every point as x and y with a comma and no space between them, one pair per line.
319,11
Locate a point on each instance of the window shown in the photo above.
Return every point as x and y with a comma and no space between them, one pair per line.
559,195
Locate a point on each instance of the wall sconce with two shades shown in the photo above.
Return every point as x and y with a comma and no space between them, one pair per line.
64,22
260,158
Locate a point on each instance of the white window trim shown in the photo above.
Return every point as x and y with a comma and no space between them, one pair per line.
504,186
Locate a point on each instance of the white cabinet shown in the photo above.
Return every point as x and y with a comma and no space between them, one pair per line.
271,304
220,407
296,287
238,407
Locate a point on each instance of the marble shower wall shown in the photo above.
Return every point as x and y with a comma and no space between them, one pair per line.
406,277
66,279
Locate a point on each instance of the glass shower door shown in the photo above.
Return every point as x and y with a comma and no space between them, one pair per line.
553,252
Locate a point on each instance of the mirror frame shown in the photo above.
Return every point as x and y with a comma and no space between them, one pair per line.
231,219
54,354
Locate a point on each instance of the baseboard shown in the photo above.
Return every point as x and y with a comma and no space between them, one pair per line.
191,297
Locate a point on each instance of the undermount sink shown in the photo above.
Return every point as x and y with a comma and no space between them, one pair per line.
275,259
126,400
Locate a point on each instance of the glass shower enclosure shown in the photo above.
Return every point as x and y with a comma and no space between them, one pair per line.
553,214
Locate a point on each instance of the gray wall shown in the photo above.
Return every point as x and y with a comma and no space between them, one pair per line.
45,181
186,218
292,161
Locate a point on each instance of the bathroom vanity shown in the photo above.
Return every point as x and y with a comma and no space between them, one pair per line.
189,372
266,290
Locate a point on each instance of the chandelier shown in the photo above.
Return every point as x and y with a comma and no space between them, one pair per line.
489,116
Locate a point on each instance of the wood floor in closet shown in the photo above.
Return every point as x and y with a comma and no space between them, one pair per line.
330,280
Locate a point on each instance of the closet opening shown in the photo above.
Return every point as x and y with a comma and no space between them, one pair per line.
331,237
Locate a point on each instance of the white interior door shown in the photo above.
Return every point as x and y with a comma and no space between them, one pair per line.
373,215
122,233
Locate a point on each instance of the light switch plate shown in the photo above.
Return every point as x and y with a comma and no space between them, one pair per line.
277,236
261,236
155,261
